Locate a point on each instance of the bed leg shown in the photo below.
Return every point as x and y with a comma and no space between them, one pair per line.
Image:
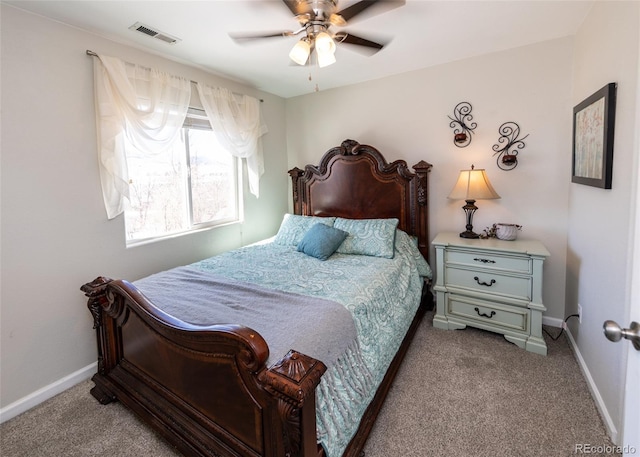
427,300
101,392
102,396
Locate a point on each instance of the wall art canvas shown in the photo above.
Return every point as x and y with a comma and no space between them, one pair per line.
593,130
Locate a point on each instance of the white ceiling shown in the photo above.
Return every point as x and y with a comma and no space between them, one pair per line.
422,34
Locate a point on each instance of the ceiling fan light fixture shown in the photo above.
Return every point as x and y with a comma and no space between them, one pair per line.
325,58
315,18
325,44
300,52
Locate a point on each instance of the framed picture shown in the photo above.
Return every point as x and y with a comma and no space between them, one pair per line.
593,128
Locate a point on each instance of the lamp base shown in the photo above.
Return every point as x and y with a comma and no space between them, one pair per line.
469,209
469,234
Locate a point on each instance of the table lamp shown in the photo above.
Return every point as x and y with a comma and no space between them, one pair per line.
472,185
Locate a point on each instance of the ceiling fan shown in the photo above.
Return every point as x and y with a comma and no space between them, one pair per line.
316,18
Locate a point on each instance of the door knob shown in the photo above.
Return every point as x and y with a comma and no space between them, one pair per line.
615,333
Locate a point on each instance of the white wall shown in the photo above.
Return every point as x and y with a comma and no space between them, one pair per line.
406,117
55,234
599,230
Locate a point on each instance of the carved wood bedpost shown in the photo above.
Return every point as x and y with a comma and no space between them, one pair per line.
96,291
297,188
421,170
293,380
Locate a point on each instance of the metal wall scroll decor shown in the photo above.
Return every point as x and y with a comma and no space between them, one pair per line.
462,125
508,154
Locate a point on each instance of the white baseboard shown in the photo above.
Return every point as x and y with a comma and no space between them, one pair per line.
47,392
552,321
597,398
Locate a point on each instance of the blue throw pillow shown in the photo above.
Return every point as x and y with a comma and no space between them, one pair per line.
321,241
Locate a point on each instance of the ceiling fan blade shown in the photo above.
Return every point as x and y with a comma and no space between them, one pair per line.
243,38
348,38
341,17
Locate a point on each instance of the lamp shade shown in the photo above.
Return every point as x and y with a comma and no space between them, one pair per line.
473,185
300,52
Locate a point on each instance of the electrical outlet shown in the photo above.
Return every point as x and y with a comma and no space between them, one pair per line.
579,313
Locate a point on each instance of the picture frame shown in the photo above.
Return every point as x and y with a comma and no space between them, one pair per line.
593,132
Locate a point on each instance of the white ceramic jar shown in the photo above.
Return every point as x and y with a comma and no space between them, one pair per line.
507,232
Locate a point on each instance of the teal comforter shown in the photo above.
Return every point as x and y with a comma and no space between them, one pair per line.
382,295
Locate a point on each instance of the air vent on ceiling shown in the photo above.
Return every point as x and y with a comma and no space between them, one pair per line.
143,28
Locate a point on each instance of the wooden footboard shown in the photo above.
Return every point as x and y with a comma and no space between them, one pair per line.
206,389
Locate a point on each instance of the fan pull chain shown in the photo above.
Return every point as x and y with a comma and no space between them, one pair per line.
316,88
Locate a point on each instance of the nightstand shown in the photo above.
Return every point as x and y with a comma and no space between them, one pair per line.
491,284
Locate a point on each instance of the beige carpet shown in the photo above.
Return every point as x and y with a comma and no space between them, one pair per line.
458,393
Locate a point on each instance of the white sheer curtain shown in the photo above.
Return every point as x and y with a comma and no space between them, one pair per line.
143,106
236,121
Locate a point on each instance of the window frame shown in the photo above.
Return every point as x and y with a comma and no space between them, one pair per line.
196,119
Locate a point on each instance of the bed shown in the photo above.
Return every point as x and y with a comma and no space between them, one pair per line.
208,381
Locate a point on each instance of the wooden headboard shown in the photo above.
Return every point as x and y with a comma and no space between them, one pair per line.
355,181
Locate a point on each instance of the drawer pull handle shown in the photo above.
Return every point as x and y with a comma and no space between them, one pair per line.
493,313
484,260
482,283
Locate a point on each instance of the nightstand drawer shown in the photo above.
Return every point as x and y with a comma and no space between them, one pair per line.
489,282
492,261
489,314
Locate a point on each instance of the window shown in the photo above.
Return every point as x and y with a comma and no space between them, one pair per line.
193,185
